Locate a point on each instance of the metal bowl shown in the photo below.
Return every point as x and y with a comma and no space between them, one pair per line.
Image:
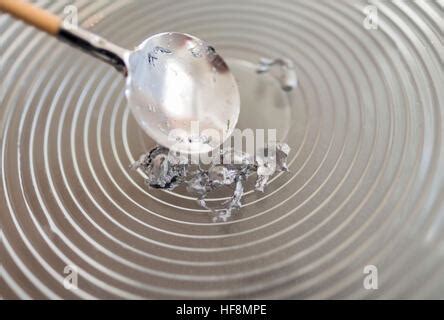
366,186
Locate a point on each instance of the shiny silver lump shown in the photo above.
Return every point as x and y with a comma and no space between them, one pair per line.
166,170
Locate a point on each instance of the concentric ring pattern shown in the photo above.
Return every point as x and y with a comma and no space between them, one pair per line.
366,185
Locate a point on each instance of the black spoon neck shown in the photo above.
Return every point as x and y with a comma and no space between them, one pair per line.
96,46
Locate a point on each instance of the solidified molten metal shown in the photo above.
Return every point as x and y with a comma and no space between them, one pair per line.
167,170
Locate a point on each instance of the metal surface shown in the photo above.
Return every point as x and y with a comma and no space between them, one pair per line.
366,180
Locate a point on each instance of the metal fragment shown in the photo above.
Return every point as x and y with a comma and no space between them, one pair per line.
232,168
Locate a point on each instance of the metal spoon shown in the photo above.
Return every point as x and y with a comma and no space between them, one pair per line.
180,91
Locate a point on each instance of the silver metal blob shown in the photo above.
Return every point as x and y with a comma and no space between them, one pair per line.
167,170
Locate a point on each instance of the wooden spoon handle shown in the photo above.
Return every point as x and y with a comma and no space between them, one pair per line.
32,15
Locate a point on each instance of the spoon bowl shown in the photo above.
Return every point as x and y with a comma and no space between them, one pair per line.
181,92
